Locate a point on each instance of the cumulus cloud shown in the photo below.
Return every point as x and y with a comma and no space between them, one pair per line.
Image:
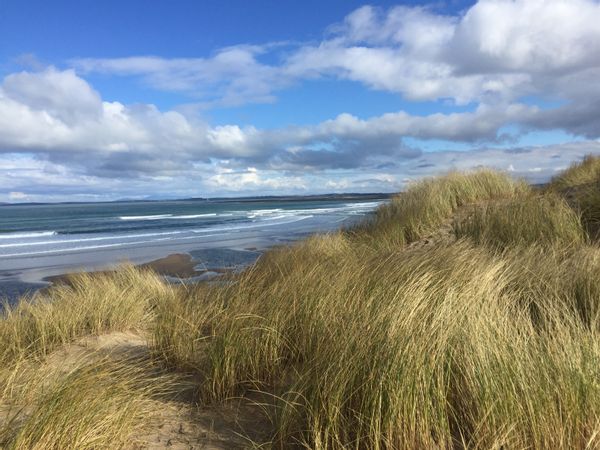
251,179
17,196
497,52
59,115
80,140
528,36
497,49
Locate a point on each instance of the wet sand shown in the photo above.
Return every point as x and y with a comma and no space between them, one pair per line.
177,266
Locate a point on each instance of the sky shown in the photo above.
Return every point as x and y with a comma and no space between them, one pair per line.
139,99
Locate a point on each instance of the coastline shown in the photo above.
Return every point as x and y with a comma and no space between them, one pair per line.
404,303
175,268
178,265
181,252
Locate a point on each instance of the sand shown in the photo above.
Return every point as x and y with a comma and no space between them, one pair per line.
177,265
174,423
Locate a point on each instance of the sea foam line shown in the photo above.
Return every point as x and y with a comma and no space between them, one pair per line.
155,217
93,239
167,217
33,234
193,216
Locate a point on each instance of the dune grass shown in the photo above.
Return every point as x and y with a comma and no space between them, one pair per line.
487,338
435,347
98,403
94,401
580,184
545,220
581,173
384,346
86,305
428,203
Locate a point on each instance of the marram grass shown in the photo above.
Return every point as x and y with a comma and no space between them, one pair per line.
86,305
487,338
98,403
522,220
87,401
437,347
580,185
428,203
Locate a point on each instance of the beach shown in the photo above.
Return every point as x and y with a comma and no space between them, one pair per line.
185,268
189,240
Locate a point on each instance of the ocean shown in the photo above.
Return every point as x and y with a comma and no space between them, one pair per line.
42,240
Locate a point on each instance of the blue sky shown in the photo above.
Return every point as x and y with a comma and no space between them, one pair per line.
164,99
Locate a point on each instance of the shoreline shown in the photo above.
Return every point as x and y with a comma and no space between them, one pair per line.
182,261
175,268
176,265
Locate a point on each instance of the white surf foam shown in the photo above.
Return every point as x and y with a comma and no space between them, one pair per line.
168,217
33,234
364,205
192,216
263,212
154,217
92,239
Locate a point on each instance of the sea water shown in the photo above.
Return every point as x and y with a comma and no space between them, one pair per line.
41,240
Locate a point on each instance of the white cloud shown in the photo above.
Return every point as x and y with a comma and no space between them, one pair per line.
498,49
46,181
60,94
111,137
530,36
252,180
17,196
70,144
231,77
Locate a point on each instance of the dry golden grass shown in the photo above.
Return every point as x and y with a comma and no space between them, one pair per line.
92,402
434,347
544,220
582,173
383,346
427,204
580,184
87,305
98,403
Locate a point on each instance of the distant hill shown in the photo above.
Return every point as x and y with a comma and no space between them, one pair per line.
300,198
288,198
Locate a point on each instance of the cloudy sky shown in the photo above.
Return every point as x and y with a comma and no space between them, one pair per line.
101,100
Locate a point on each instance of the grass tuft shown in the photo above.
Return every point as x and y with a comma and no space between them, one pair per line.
98,403
86,305
580,185
429,203
545,220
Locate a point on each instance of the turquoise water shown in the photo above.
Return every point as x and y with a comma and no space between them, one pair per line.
42,240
